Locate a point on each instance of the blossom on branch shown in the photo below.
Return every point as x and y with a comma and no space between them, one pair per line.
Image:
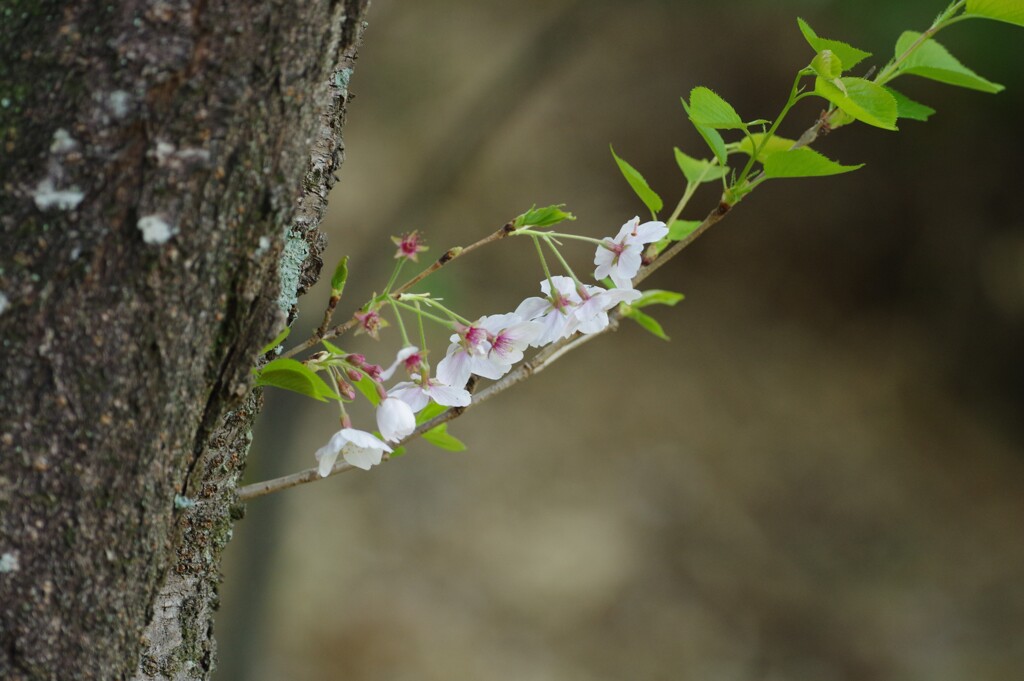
409,245
395,419
554,312
620,258
418,393
359,449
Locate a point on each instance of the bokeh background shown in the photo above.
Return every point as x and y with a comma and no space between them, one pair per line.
820,478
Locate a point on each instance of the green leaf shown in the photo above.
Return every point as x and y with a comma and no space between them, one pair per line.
289,374
1010,11
397,452
277,341
708,109
543,217
430,411
332,348
647,322
439,437
366,386
339,278
699,170
932,60
827,65
908,108
864,100
657,297
639,185
680,229
775,143
710,135
849,56
803,162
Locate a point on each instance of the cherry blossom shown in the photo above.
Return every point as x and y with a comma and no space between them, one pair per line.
359,448
395,419
409,245
620,258
468,343
409,355
418,393
554,312
592,313
509,334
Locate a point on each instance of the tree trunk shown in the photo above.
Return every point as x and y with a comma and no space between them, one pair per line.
164,166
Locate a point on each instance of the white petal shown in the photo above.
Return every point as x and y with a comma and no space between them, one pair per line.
362,457
649,232
410,393
449,396
488,368
532,308
360,438
454,368
593,324
326,456
495,323
605,261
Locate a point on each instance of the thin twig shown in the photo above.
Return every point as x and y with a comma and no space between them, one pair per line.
449,255
542,360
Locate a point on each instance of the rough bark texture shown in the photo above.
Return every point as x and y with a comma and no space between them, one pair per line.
155,228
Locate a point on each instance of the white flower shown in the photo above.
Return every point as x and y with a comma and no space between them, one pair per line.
509,334
592,313
359,448
403,354
395,419
620,258
554,312
418,393
469,343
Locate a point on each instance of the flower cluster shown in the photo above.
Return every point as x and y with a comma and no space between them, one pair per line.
489,346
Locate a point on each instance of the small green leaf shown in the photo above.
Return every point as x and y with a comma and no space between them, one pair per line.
908,108
368,388
932,60
699,170
639,185
866,101
849,56
647,322
803,162
680,229
439,437
775,143
397,452
1010,11
277,341
827,65
710,135
333,349
657,297
430,411
543,217
289,374
708,109
339,278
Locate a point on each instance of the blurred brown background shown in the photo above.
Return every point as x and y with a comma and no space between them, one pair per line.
820,478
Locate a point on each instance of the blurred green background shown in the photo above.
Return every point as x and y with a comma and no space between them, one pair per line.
820,478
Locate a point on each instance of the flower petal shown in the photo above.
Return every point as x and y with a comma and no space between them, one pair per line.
454,369
448,396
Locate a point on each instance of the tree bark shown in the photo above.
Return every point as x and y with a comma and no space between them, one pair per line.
164,168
